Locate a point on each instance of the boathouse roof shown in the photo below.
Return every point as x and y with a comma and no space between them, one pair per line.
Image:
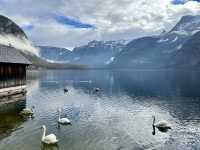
10,54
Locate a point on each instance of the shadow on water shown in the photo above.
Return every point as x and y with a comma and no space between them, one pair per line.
10,119
49,147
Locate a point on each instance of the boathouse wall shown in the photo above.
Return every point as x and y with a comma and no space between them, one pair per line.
12,75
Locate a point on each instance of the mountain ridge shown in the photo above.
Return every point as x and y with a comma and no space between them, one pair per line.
157,51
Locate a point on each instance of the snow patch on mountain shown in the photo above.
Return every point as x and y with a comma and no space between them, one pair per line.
162,40
195,31
175,39
179,46
110,61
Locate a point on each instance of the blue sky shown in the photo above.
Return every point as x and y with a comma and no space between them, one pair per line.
27,27
178,2
71,23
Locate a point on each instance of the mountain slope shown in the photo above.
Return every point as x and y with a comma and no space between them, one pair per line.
157,51
42,63
96,54
12,34
188,24
53,53
189,54
7,26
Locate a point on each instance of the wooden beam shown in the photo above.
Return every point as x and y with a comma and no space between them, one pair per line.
12,91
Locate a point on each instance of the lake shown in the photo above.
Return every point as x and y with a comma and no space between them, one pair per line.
118,117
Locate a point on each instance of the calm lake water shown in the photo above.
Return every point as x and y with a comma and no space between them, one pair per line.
119,117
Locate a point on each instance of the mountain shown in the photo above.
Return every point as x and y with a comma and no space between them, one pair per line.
96,54
189,55
8,27
42,63
188,25
158,51
54,53
12,34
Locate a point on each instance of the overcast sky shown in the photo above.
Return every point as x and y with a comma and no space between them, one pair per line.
70,23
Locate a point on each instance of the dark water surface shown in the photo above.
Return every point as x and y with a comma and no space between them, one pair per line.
119,117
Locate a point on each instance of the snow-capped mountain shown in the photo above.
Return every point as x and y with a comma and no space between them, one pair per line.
96,54
189,55
180,47
187,25
157,51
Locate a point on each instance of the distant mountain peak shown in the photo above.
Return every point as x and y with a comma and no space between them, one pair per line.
187,24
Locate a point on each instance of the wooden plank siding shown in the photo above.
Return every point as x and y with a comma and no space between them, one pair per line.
12,75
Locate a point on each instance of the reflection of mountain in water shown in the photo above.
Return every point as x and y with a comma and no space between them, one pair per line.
177,90
159,83
133,83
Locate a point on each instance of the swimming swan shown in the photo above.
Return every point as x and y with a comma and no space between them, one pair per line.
48,139
63,121
27,111
161,124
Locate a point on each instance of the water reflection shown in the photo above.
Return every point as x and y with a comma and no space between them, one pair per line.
134,83
49,147
10,120
119,116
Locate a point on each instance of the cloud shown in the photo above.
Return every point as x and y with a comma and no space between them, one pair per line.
19,43
80,21
27,27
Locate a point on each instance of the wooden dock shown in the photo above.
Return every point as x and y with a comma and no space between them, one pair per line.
12,94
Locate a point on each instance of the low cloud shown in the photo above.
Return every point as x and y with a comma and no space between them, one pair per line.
18,43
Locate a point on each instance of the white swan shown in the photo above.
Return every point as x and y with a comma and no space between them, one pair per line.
48,139
27,111
63,121
163,125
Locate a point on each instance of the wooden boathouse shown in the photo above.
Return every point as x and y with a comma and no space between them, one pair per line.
12,72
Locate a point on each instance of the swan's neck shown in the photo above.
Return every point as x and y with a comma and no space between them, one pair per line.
44,133
154,120
59,115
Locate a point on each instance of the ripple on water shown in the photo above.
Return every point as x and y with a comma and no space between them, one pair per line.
117,118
